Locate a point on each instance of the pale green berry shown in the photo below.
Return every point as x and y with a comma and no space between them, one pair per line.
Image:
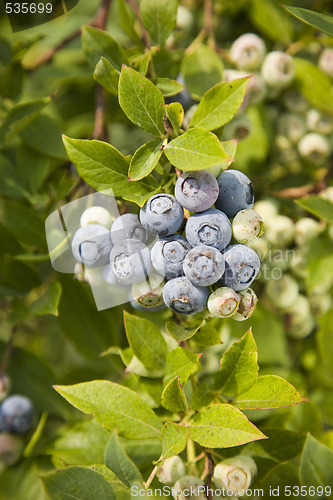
306,229
319,122
149,293
172,469
320,303
235,474
11,448
285,150
238,128
280,231
267,209
189,488
292,126
325,62
223,303
282,292
247,225
295,101
247,304
299,262
314,148
301,329
184,18
261,246
5,386
96,215
248,51
278,69
327,194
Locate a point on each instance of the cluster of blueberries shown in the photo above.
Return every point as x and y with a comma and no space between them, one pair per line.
148,253
16,417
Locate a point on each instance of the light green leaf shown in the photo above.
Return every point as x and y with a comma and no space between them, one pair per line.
313,84
175,114
145,159
127,22
318,206
107,75
315,19
201,397
77,483
320,273
195,150
173,396
114,406
220,104
239,367
168,86
270,391
316,464
222,426
180,362
97,43
103,167
183,332
174,439
159,18
43,134
207,336
48,303
202,69
21,482
146,341
141,101
116,459
270,20
111,478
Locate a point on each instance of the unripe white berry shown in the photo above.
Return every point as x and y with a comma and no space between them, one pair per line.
292,126
282,292
298,263
96,215
172,469
189,488
238,128
247,304
184,18
247,225
327,194
295,101
306,229
149,293
247,52
223,303
320,303
319,122
314,148
278,69
11,448
325,62
285,150
300,330
267,209
235,473
280,231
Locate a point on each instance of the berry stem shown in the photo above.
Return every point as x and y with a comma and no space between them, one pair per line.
151,477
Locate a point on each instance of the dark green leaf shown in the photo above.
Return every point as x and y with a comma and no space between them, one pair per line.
48,303
44,135
159,18
318,206
316,464
315,19
127,22
116,459
270,20
314,85
97,43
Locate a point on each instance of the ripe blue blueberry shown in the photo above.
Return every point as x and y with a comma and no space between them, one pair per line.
91,245
128,226
197,191
16,414
184,297
204,265
242,265
211,228
130,261
162,215
236,192
168,254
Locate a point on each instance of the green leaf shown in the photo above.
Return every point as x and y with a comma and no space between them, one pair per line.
270,391
318,206
281,445
174,439
173,396
24,223
325,339
48,303
207,336
201,397
222,426
111,478
159,18
127,22
145,159
77,483
116,459
146,341
316,464
114,406
21,482
11,184
201,69
195,150
315,19
97,43
320,274
18,276
175,114
270,20
31,166
20,116
220,104
168,87
103,167
239,367
183,332
180,362
313,84
141,101
44,135
106,75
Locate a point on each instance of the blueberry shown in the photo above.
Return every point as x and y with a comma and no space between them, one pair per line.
204,265
236,192
110,278
211,228
319,122
168,254
242,265
247,226
247,304
197,191
235,474
325,61
128,226
172,469
130,261
189,488
91,245
292,126
16,414
149,293
247,52
278,69
96,215
223,303
282,292
162,215
184,297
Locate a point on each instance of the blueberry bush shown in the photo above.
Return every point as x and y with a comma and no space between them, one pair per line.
212,123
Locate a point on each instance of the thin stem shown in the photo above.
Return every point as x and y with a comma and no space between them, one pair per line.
151,477
208,23
190,450
145,36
